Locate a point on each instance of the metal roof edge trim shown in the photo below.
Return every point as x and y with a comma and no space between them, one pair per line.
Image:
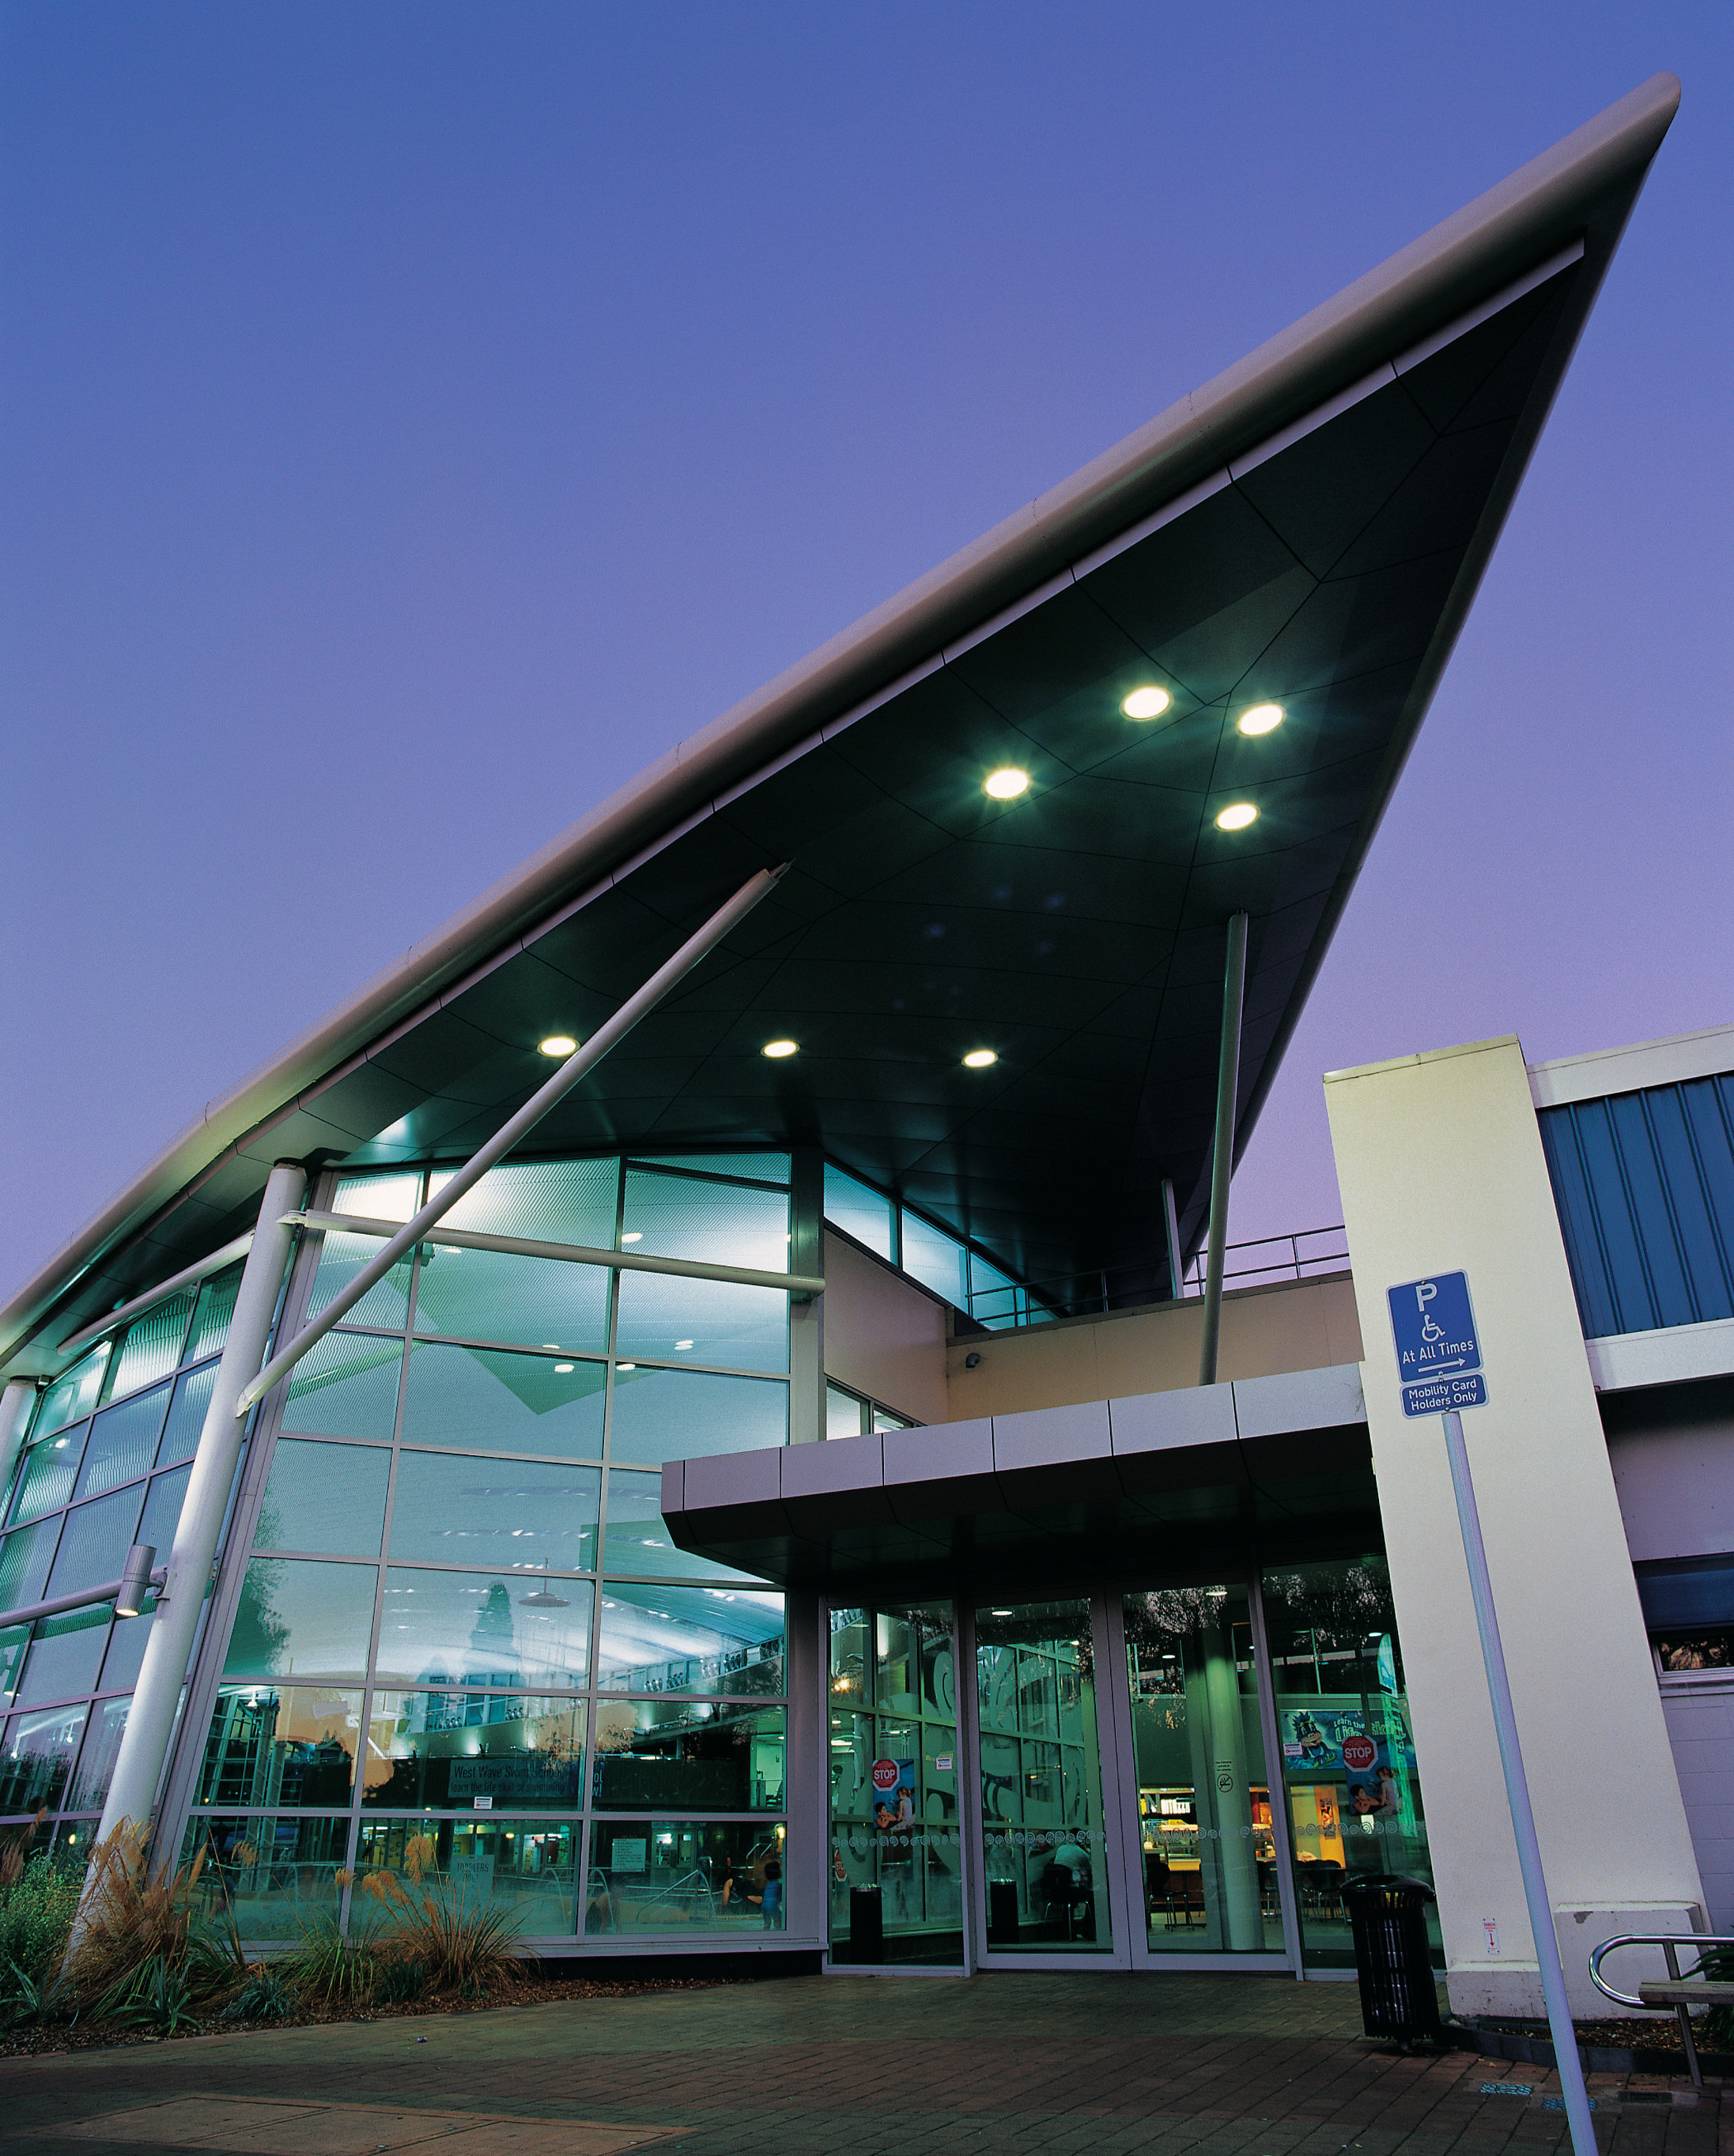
1498,236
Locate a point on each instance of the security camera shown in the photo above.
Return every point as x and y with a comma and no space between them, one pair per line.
971,1361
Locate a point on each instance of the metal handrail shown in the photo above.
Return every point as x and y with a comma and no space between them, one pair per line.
1090,1287
1670,1943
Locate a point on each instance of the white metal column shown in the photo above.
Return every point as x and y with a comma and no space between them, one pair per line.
16,1404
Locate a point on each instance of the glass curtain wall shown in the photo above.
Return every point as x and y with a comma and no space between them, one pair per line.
1207,1849
1044,1850
465,1646
105,1464
1349,1776
896,1838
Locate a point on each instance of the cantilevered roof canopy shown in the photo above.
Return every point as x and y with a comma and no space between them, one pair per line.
1309,529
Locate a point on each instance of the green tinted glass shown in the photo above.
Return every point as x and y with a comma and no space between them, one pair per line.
279,1875
545,1201
123,1442
670,1637
665,1319
36,1759
216,1306
861,1212
152,1346
485,1400
305,1616
480,1627
66,1655
25,1557
720,1876
638,1535
50,1466
677,1216
516,1515
442,1750
480,1295
346,1385
750,1167
324,1498
73,1392
526,1868
676,1415
90,1783
94,1542
340,1257
187,1417
703,1755
287,1746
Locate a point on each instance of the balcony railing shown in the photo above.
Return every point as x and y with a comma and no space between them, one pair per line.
1093,1290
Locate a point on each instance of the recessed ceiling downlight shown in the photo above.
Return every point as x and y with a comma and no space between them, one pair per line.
1261,719
776,1049
1006,784
1236,816
558,1044
1147,703
978,1058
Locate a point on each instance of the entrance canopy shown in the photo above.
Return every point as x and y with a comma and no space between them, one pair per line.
1305,534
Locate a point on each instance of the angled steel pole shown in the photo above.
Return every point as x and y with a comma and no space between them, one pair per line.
1221,1155
150,1719
1171,1222
575,1067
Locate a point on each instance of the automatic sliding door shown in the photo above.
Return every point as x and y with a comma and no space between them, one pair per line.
1044,1853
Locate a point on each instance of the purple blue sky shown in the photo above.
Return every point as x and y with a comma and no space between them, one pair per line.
414,418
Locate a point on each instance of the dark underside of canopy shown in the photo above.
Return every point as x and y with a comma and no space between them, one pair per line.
1078,931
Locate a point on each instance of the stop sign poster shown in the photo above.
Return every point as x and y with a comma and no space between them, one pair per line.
894,1793
1359,1754
1334,1743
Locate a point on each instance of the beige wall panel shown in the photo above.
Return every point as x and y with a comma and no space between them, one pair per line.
883,1337
1439,1160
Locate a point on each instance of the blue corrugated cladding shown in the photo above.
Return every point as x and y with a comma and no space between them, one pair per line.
1644,1184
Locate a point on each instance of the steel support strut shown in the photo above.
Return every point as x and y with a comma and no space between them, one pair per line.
1222,1153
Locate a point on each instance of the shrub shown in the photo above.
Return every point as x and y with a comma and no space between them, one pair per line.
28,2001
265,1996
156,1996
401,1979
328,1967
133,1917
37,1904
463,1942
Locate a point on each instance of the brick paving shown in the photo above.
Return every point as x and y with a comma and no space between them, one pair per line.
1117,2065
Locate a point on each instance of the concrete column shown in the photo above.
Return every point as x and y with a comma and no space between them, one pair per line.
16,1404
1439,1160
807,1320
149,1723
1225,1761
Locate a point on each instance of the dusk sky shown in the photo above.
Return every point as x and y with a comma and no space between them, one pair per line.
417,419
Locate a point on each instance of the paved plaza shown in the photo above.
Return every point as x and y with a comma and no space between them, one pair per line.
1210,2065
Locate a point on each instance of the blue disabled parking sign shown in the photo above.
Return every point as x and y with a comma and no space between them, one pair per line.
1438,1356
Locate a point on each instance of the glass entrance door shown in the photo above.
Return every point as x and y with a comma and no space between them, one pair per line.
1045,1864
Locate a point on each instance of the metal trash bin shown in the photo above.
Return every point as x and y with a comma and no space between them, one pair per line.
866,1925
1394,1956
1001,1913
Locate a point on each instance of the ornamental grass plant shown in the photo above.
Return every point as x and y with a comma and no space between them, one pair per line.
463,1943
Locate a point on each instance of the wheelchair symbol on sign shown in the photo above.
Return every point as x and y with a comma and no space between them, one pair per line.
1431,1330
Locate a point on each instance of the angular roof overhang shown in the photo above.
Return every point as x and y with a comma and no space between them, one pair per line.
1309,527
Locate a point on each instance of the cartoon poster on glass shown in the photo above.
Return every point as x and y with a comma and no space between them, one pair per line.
1377,1767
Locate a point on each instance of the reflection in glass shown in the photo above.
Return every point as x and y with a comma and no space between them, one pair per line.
216,1306
1208,1854
938,1260
95,1541
1336,1671
14,1640
123,1442
90,1783
1044,1851
25,1557
862,1212
442,1751
346,1385
187,1417
896,1841
677,1415
128,1637
544,1201
677,1216
845,1413
478,1628
49,1467
340,1257
151,1346
302,1618
638,1536
487,1294
747,1167
672,1876
689,1639
36,1758
697,1755
526,1866
73,1394
286,1746
277,1876
66,1655
665,1316
480,1400
328,1498
514,1515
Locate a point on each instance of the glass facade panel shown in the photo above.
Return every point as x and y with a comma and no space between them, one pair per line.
638,1538
526,1866
680,1216
545,1201
278,1876
936,1259
342,1257
123,1442
73,1394
303,1618
187,1416
346,1385
127,1638
896,1842
485,1295
36,1759
697,1755
454,1751
66,1654
25,1557
689,1639
96,1541
396,1195
517,1516
748,1166
476,1628
325,1498
665,1318
1336,1668
677,1415
90,1783
163,1510
50,1467
665,1879
210,1320
479,1400
14,1642
845,1413
1045,1851
861,1212
290,1747
151,1346
1207,1850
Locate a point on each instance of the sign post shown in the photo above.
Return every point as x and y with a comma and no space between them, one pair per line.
1439,1365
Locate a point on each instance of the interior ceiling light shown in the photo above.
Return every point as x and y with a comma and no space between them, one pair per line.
558,1044
637,1235
1007,784
683,1344
978,1058
564,1369
1147,703
1236,816
776,1049
1261,719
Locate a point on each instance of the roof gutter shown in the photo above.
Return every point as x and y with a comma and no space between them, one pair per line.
1495,238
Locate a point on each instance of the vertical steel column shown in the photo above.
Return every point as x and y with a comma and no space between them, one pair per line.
1221,1155
806,1316
1176,1270
16,1403
144,1745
